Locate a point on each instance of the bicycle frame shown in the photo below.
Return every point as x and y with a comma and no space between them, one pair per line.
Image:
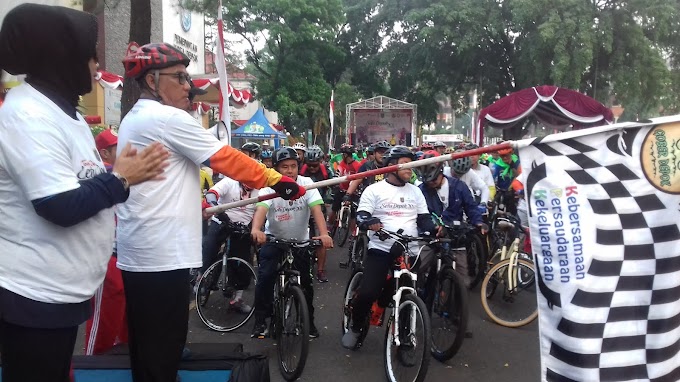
396,298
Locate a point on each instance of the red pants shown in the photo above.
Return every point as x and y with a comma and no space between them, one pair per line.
108,324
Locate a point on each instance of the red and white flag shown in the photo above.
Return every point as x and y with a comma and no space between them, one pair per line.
220,64
331,117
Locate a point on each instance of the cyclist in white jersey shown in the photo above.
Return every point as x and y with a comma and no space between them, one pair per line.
392,204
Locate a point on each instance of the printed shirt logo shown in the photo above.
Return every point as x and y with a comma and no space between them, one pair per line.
89,169
660,157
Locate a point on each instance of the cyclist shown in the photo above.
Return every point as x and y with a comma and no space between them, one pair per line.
229,190
460,168
392,204
482,171
426,147
300,149
440,147
347,166
380,148
449,197
287,220
370,154
251,149
506,169
317,171
266,158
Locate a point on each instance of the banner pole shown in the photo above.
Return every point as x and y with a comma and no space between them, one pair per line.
361,175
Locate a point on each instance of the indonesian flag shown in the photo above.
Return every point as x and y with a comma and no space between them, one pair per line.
225,117
331,117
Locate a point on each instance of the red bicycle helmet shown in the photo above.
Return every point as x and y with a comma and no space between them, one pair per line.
140,60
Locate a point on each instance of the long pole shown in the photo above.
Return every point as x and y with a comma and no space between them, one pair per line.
361,175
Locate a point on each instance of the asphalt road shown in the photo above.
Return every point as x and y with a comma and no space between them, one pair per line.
494,353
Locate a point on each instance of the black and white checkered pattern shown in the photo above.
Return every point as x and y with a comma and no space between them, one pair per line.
622,323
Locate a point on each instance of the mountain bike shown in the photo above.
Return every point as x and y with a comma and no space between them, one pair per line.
358,246
290,322
447,296
508,291
225,293
407,338
345,216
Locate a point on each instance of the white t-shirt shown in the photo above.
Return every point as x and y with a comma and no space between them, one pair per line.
396,207
443,193
289,219
474,183
230,191
484,173
159,226
44,152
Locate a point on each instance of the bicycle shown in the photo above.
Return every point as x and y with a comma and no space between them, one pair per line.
291,321
358,246
514,275
408,326
221,279
341,226
447,299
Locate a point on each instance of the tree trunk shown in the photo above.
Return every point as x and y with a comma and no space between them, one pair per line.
140,32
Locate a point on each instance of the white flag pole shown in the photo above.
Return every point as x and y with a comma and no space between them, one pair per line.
225,116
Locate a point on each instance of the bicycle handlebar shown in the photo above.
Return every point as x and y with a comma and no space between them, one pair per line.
295,243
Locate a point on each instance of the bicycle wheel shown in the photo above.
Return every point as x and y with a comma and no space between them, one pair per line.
219,304
476,257
343,232
350,291
292,334
408,361
513,307
448,315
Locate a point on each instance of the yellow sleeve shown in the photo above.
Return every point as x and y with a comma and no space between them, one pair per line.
238,166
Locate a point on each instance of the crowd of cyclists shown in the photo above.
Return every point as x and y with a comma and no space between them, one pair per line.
456,190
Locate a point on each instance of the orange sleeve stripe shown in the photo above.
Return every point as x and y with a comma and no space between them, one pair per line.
238,166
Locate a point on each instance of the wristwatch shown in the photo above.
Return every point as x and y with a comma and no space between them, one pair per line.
122,179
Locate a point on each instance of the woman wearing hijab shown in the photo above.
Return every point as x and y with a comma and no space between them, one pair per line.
56,220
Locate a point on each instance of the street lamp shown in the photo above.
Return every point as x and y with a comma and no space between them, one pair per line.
617,110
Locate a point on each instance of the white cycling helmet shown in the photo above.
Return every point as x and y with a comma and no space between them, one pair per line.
300,146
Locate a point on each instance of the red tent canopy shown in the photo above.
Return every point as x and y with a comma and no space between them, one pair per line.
553,106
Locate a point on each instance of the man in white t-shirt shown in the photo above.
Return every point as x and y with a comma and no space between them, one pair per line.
460,168
392,204
286,220
483,171
229,190
159,227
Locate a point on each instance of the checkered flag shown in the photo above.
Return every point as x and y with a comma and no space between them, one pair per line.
604,227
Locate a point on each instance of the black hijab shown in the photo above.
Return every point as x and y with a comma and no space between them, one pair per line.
52,46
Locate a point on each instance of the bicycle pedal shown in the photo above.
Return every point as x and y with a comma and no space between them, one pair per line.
344,265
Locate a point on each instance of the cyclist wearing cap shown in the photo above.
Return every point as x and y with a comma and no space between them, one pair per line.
251,149
159,227
266,158
315,169
285,220
392,204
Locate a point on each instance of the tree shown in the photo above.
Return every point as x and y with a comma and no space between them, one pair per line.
140,32
299,60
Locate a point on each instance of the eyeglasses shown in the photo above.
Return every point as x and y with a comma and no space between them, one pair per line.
182,77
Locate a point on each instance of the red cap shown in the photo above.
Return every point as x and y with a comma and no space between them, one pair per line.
106,139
